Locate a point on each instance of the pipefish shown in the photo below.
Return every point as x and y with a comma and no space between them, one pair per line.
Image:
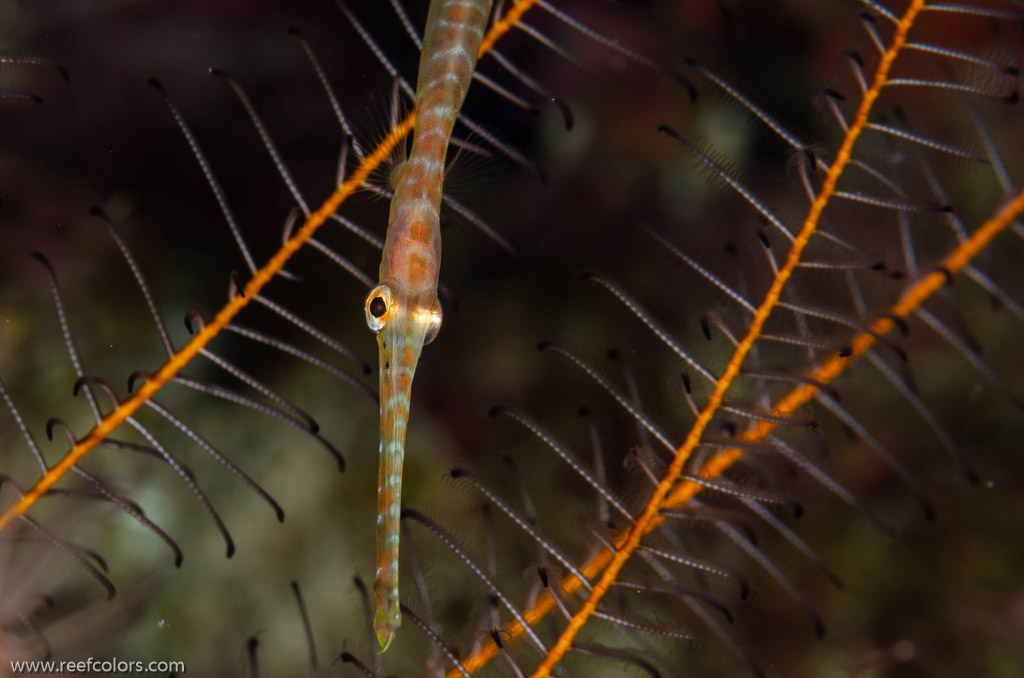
403,309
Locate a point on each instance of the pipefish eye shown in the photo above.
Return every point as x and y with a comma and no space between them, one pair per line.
378,307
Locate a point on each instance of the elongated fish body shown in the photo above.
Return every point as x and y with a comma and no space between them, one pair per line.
403,309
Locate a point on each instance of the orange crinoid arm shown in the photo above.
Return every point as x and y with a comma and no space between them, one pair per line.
263,276
671,492
650,513
914,296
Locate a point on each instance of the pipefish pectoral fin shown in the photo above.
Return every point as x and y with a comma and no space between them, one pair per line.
404,323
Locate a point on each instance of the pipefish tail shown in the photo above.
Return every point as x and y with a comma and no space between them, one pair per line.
403,309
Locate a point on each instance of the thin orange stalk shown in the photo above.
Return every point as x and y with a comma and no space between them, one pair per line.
505,24
916,295
184,355
181,358
650,514
911,300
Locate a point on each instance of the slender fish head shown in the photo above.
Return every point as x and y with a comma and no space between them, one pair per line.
404,323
